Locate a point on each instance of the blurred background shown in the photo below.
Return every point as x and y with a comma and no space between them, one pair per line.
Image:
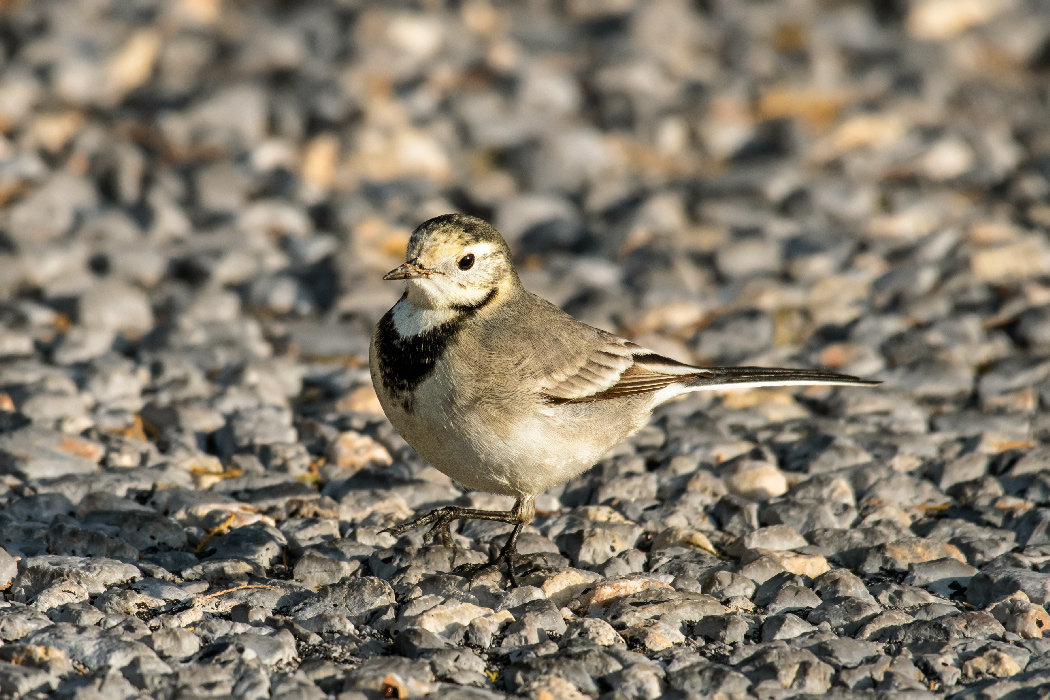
860,184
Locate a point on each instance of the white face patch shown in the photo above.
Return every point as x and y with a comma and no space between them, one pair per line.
428,292
450,286
479,250
410,320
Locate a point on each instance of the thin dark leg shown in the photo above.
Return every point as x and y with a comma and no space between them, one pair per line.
524,510
506,555
442,518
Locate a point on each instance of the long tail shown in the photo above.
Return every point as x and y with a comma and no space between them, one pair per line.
746,377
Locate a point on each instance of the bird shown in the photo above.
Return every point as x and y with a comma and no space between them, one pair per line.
503,391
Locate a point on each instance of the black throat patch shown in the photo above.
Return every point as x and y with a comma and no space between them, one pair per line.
405,362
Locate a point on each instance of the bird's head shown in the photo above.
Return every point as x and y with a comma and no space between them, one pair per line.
455,261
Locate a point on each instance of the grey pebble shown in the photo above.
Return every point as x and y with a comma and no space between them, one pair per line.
989,585
36,453
176,644
354,599
94,648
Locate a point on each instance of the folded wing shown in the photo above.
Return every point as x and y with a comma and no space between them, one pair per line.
619,368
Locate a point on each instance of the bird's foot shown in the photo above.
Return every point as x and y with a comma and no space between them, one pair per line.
507,555
473,572
441,520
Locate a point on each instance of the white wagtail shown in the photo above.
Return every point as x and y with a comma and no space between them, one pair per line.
503,391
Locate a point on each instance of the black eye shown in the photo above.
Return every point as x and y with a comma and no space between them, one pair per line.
466,262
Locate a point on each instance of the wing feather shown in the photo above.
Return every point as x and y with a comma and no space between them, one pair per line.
615,369
620,368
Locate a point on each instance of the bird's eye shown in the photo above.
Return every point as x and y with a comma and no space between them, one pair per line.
466,262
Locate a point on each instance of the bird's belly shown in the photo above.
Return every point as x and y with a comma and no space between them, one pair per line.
512,450
428,424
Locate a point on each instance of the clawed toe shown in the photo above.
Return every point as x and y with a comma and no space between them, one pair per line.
508,555
442,519
443,528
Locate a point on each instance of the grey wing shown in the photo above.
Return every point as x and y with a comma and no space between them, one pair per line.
617,368
614,368
583,364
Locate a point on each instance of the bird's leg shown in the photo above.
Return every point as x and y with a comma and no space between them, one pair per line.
523,513
442,519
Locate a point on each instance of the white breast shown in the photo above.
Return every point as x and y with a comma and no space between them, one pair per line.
410,320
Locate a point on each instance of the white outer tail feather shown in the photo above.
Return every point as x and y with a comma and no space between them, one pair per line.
676,390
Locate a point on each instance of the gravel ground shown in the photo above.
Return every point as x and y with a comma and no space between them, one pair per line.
197,201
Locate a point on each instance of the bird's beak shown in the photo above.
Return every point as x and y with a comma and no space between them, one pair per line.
407,271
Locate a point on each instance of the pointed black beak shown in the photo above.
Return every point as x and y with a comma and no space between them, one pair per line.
407,271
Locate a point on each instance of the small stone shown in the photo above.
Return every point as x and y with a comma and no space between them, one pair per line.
116,306
726,629
761,569
562,586
793,597
784,626
797,669
993,663
355,598
36,453
50,211
551,687
775,537
658,603
727,584
1014,261
845,615
96,574
654,636
392,677
678,537
269,649
943,577
752,256
811,565
95,648
900,554
258,543
991,585
734,336
593,630
175,643
894,595
949,158
352,450
363,399
708,679
966,468
846,652
1027,620
13,343
599,542
16,624
481,630
450,620
20,681
885,620
757,481
534,621
937,20
609,591
8,568
315,570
